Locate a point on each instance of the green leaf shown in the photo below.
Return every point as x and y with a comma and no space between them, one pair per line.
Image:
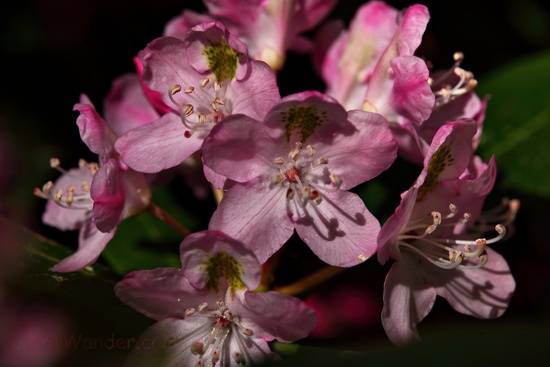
517,124
87,298
146,242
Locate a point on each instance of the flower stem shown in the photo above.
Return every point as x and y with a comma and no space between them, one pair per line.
310,281
168,219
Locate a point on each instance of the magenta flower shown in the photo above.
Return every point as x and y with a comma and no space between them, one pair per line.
293,171
435,253
95,198
204,79
206,313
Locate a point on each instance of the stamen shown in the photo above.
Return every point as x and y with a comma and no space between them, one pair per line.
204,82
202,306
336,181
217,86
189,89
279,160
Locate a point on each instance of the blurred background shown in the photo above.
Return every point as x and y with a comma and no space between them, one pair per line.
51,51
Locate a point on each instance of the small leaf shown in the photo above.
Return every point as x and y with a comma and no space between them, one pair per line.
517,124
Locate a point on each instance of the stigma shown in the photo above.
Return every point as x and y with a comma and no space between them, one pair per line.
428,238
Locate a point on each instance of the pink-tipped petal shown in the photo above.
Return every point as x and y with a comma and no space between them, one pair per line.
108,195
91,243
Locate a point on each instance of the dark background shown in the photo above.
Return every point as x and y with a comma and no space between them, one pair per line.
53,50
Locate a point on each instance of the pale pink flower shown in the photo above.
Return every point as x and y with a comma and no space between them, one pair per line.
206,313
94,198
268,27
293,171
430,237
204,78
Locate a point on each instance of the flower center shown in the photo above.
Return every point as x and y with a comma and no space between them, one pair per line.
420,238
305,174
209,342
204,115
444,90
71,196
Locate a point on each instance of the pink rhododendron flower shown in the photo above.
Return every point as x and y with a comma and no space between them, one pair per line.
204,79
95,198
206,313
455,99
269,27
434,252
293,171
372,66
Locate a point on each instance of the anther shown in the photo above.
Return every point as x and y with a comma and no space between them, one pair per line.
238,357
219,100
82,163
189,89
189,109
217,86
93,167
290,194
279,160
175,89
311,150
58,195
323,160
293,154
189,311
214,106
202,306
47,188
248,332
336,181
204,82
458,56
54,162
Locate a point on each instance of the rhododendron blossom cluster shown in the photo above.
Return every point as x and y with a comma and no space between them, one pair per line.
205,96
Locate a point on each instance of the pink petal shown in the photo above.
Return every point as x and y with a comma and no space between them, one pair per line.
94,131
256,93
159,293
157,146
205,34
91,243
362,152
272,315
407,300
126,106
256,215
412,96
165,344
340,230
239,148
199,247
484,293
180,25
165,65
327,115
387,239
108,196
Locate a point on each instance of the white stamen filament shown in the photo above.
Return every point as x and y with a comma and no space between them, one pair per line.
441,251
187,110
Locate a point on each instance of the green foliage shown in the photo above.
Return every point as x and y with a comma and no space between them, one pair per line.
517,125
